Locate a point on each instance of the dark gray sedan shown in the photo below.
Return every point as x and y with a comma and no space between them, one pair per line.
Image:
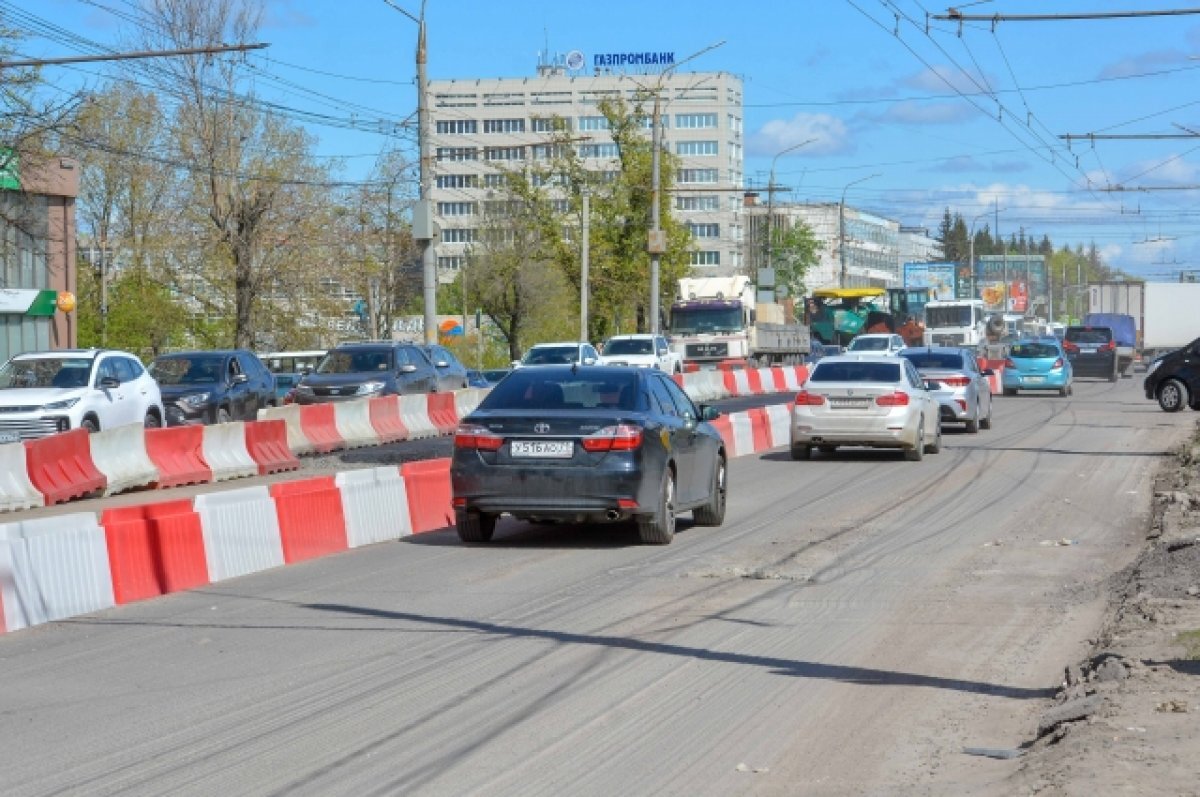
583,445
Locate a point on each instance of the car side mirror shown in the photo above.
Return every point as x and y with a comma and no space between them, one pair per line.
239,379
442,364
108,382
515,363
408,369
988,372
589,360
709,412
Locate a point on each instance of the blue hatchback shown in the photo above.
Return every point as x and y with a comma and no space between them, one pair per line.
1039,364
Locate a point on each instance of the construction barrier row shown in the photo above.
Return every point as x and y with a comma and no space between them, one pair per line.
59,567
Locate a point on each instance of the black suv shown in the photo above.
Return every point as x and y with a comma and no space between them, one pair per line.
1174,379
213,386
364,370
1092,352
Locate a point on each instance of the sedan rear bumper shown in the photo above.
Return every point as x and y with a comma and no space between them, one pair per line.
871,433
564,494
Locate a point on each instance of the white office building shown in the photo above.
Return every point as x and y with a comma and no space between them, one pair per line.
481,126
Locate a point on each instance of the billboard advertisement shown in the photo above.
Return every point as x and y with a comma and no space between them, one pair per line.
939,278
1025,276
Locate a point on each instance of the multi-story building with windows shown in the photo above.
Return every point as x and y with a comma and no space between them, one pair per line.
483,126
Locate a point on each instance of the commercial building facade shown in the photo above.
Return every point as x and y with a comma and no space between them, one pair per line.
482,127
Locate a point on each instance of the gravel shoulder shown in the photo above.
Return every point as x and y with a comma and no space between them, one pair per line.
1124,720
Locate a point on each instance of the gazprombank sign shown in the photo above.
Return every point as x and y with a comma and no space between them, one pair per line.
633,59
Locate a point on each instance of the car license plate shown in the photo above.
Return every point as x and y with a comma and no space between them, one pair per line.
1035,379
10,437
848,403
543,449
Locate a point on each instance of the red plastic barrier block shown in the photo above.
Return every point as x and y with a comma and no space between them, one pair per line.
760,426
3,622
801,373
754,379
427,484
311,521
266,441
691,368
385,417
319,426
731,365
678,379
178,453
725,427
61,468
730,381
443,412
779,380
154,549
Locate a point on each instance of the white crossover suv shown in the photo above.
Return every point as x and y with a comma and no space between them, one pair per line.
52,391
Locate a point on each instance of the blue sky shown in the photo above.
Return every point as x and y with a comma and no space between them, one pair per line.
931,117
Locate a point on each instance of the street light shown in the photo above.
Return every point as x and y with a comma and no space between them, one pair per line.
422,225
771,198
842,224
974,279
656,243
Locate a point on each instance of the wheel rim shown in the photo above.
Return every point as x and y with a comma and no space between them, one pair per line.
1170,395
720,483
669,505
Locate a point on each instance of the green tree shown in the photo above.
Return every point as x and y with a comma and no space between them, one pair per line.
143,317
794,250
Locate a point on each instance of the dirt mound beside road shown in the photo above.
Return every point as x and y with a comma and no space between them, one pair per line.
1127,720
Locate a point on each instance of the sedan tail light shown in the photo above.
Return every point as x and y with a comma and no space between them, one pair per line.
1009,362
1070,347
470,435
897,399
1112,344
1057,364
622,437
955,381
806,399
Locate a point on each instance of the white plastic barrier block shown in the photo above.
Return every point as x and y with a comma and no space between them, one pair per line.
791,378
226,453
297,441
696,387
465,401
53,568
353,421
743,433
16,490
375,505
120,454
741,382
240,530
716,385
766,377
779,418
414,411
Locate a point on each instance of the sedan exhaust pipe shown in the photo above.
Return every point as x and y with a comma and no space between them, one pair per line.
612,514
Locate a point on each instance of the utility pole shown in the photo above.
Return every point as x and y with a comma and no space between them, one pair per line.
585,196
842,227
770,226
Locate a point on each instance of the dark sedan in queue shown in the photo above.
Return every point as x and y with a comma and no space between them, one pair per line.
582,445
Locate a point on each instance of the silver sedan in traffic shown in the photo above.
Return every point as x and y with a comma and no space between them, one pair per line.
957,382
878,402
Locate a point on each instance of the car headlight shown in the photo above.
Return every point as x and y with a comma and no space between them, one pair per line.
195,399
367,388
65,404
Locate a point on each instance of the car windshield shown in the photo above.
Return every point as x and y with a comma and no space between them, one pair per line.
187,370
935,360
868,344
1100,335
551,355
356,362
692,320
46,372
629,346
532,390
1029,351
825,371
948,316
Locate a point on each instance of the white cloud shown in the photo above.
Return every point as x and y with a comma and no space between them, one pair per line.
941,79
1145,62
927,113
831,134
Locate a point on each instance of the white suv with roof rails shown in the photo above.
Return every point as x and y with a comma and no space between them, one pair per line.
52,391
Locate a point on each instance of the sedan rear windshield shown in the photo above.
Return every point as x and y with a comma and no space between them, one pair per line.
629,346
536,390
551,355
1031,351
1089,335
356,362
869,344
855,372
933,360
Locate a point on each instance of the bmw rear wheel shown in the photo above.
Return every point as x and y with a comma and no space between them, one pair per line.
801,452
917,452
936,445
659,528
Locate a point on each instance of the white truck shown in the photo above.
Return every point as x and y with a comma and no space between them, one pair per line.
1170,317
716,319
955,322
643,351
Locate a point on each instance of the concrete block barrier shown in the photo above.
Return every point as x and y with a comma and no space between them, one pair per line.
353,422
17,492
311,520
465,401
320,428
61,467
779,418
241,532
297,440
414,410
428,487
376,505
743,434
266,443
385,417
154,549
442,412
178,454
226,453
53,568
120,454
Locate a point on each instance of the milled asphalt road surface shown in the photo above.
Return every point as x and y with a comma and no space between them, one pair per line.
855,623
